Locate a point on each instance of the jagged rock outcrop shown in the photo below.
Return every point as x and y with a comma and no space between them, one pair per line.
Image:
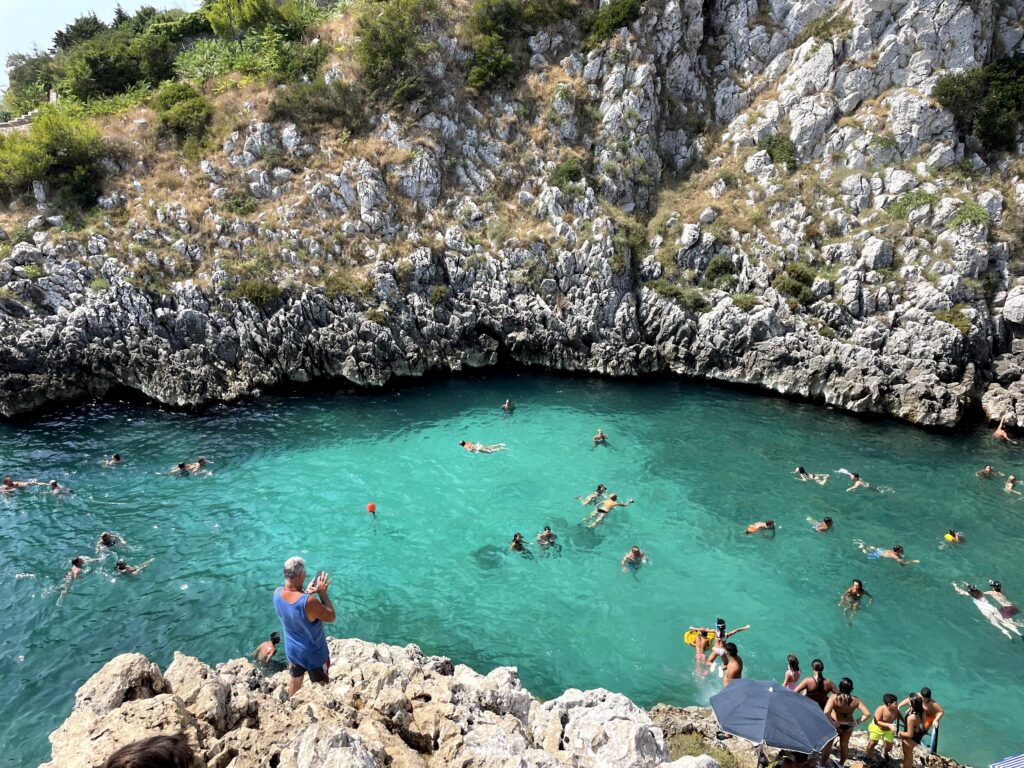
446,239
384,706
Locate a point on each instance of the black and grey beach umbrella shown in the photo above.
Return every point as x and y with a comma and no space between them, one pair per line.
765,712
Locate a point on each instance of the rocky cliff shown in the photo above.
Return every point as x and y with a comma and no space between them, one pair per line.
384,706
754,192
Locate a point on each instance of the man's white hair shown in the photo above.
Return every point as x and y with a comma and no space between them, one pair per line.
293,566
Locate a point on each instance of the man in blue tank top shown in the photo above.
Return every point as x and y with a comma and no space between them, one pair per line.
302,612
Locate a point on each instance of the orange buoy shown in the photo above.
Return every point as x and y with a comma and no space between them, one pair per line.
371,508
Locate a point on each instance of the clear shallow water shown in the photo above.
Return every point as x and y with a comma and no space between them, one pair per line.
293,475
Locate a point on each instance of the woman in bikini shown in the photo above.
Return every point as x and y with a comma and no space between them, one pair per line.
840,709
914,729
817,687
792,676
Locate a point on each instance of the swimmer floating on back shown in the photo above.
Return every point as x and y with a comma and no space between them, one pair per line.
601,512
989,611
804,475
480,447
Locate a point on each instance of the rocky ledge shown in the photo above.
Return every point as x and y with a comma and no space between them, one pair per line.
384,706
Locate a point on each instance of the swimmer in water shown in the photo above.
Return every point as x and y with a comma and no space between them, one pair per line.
989,611
8,485
109,540
480,447
1002,434
821,527
113,461
700,647
57,489
197,466
1007,609
179,470
594,496
855,480
547,540
508,406
77,566
600,513
518,545
1011,481
987,472
633,560
877,553
266,650
767,526
804,476
849,601
954,537
600,438
122,568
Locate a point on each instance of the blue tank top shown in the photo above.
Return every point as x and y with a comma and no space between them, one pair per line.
304,641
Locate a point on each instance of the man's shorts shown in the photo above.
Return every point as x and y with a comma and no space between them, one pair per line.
880,734
317,675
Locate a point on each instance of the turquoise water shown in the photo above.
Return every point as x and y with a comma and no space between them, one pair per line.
293,476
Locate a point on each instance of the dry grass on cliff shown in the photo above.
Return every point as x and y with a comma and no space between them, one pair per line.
693,744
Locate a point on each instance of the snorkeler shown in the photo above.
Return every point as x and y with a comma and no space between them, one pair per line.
820,527
804,475
633,560
480,447
122,568
954,537
877,553
990,612
508,406
1002,434
113,461
1011,481
108,540
593,496
765,525
849,601
600,438
1007,609
602,509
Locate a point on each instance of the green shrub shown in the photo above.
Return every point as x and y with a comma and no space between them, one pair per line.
604,23
884,141
186,120
795,281
438,294
261,292
315,105
377,315
969,213
565,173
955,317
62,150
687,297
730,179
346,282
987,103
630,239
719,273
241,203
392,47
99,284
692,744
780,149
828,332
171,94
33,271
491,61
20,234
746,301
825,28
910,201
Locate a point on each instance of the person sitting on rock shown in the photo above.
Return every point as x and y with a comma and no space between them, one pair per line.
154,752
266,650
1002,434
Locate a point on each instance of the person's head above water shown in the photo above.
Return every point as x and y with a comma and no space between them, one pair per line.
601,488
858,585
77,562
614,497
974,592
800,471
517,537
122,565
547,529
7,480
996,585
201,460
275,638
897,549
181,465
54,484
769,523
106,538
462,442
116,457
634,550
